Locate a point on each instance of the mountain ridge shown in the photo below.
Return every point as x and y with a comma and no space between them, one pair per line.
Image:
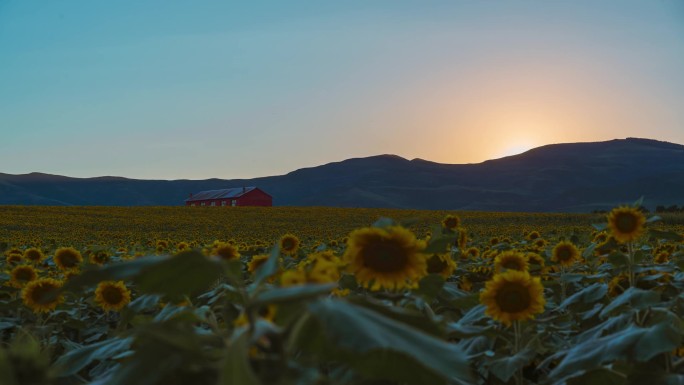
557,177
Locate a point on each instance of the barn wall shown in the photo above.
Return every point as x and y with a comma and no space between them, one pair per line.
255,197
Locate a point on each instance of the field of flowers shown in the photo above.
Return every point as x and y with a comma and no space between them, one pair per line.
180,295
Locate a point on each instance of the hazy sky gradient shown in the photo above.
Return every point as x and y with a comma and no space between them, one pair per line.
198,89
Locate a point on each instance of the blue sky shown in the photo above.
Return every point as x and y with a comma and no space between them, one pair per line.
181,89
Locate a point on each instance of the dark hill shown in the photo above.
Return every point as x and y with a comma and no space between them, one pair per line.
560,177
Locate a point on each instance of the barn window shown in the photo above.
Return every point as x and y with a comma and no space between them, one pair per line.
233,202
202,204
213,203
223,203
192,204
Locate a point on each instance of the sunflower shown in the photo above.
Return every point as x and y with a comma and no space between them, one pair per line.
532,235
293,278
267,312
162,244
21,275
662,257
441,264
385,257
539,242
465,284
13,259
42,295
618,285
472,252
512,296
289,244
626,223
511,260
451,222
327,256
535,259
600,237
225,251
324,272
67,258
112,295
256,262
99,258
565,253
462,240
34,255
182,246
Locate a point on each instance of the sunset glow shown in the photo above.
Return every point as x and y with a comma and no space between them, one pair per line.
187,89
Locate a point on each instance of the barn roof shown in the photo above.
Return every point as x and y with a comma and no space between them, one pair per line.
227,193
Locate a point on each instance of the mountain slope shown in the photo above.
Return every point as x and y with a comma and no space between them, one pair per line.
560,177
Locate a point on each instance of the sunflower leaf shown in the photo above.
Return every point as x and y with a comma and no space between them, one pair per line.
634,297
380,347
589,294
599,226
439,244
114,272
268,268
184,273
668,235
236,368
600,376
77,359
293,293
504,368
632,344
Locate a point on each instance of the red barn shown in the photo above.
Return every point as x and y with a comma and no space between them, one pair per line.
239,196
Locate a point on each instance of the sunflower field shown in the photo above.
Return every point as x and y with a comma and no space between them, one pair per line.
182,295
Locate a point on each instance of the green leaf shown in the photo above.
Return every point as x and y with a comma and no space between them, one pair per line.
653,219
184,273
268,268
570,277
406,316
439,244
113,272
639,202
75,360
381,347
235,369
618,259
600,376
600,226
504,368
144,302
458,298
293,293
634,298
588,252
6,325
632,344
384,222
589,294
431,285
668,235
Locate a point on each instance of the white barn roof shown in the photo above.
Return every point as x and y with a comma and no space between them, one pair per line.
228,193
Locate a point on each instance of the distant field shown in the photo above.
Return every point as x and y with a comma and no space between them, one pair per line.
92,295
79,226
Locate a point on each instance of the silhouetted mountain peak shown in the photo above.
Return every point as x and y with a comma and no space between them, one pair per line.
557,177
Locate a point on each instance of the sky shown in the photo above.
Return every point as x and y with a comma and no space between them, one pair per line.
179,89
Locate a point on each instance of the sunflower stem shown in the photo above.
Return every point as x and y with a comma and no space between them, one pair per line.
516,349
630,269
668,362
563,283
